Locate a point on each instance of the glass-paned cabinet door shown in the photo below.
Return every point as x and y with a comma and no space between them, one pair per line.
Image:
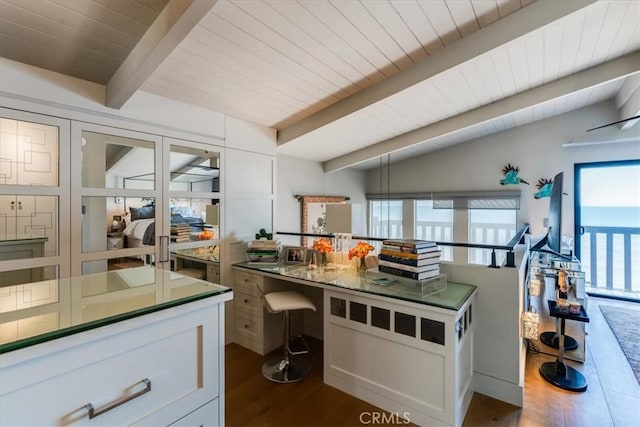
34,197
115,194
193,175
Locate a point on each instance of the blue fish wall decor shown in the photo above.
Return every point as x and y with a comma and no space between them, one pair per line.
544,186
511,176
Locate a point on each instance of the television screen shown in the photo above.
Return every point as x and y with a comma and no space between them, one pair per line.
554,233
552,242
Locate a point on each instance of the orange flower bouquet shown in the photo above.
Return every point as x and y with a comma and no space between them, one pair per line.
323,246
360,250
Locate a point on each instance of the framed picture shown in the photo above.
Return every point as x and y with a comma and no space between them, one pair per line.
313,214
295,255
117,223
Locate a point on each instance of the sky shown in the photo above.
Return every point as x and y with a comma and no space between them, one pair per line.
614,186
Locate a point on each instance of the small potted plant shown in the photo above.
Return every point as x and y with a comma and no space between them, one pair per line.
323,246
360,250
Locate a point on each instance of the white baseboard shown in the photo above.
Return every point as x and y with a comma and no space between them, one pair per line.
498,389
402,413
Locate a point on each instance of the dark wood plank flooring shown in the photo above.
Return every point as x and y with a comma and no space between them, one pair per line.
612,399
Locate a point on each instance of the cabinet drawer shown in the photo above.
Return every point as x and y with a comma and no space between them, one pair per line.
248,283
250,304
248,326
107,370
213,273
205,416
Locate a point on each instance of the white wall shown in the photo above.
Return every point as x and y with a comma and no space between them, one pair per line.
306,178
85,101
536,148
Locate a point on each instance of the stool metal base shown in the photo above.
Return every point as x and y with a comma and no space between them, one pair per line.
551,339
563,376
279,370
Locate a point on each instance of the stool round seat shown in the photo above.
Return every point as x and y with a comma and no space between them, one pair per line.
285,368
288,300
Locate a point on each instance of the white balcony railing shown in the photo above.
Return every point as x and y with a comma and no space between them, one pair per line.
610,257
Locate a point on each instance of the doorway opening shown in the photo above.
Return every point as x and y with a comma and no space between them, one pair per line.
607,227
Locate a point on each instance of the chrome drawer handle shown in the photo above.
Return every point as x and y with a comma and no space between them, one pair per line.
93,413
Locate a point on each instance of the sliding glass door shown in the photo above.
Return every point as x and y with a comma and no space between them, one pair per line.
608,227
142,199
116,185
79,198
191,195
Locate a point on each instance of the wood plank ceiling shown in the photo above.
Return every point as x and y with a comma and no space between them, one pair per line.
346,81
84,39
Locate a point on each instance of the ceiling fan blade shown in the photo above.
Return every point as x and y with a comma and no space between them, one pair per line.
614,123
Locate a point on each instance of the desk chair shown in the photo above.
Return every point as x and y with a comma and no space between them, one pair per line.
285,369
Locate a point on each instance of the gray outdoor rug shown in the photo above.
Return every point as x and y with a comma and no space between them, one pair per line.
625,325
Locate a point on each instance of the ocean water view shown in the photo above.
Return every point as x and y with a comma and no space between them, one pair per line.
591,216
610,216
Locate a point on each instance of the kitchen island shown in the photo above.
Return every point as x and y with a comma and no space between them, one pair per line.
402,345
137,346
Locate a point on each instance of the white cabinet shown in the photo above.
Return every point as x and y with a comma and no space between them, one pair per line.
205,416
254,327
413,360
177,353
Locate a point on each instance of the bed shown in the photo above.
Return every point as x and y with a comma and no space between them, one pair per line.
140,231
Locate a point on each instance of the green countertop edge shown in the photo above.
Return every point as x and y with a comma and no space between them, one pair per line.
61,333
472,289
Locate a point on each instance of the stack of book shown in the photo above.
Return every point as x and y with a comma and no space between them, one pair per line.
180,233
413,259
263,252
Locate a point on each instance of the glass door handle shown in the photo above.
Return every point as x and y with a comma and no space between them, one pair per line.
164,248
581,230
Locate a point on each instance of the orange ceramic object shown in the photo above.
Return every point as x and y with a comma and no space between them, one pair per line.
205,235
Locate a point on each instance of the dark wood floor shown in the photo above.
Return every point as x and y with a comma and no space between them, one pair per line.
612,398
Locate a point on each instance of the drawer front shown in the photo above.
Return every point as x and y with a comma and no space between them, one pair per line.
213,273
248,326
168,353
248,283
249,304
205,416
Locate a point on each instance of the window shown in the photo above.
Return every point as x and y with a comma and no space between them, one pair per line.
385,218
490,226
482,217
434,224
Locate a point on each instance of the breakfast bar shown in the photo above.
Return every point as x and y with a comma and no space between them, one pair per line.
140,346
402,345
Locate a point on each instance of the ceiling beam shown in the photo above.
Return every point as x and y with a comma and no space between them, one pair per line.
628,101
525,20
175,21
615,69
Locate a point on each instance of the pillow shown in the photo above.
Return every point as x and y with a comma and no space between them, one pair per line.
143,212
182,210
177,219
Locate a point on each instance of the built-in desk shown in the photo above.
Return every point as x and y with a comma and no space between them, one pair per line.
392,345
199,262
126,345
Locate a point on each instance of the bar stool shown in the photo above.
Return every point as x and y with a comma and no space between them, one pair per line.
285,369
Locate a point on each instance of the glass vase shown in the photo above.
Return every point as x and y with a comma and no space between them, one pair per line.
361,266
323,259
